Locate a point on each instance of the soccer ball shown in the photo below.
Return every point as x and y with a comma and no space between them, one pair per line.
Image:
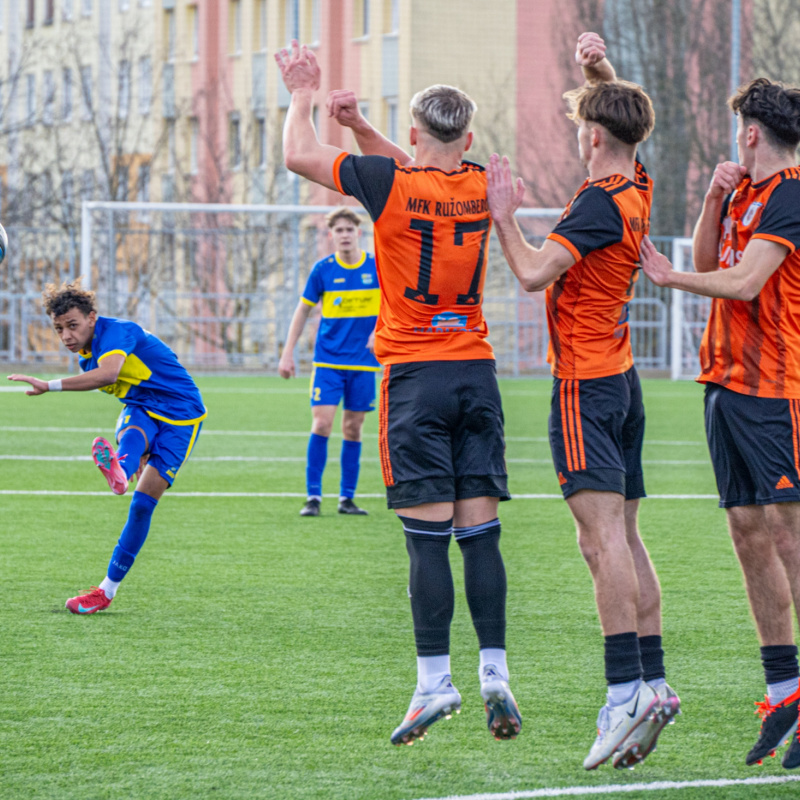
3,243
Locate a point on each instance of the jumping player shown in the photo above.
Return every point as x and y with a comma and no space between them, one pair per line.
160,422
588,265
747,255
441,420
344,365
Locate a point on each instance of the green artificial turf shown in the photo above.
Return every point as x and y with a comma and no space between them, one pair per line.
252,653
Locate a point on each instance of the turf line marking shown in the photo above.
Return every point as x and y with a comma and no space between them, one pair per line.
655,786
374,496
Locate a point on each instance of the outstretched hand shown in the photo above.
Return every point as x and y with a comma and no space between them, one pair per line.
502,191
656,266
342,105
38,386
590,50
299,67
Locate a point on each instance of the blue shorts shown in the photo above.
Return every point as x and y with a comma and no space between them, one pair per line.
597,433
357,386
168,444
755,447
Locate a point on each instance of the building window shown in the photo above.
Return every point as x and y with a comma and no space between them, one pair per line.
361,19
391,118
194,22
66,94
261,17
170,37
122,182
67,193
145,85
30,99
194,141
49,97
86,8
49,12
171,157
30,16
86,93
291,11
87,185
363,107
394,16
235,26
124,5
145,3
143,184
67,10
235,140
124,89
261,142
316,31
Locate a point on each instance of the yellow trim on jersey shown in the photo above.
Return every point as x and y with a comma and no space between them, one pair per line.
133,372
175,421
352,303
344,366
307,302
358,264
111,353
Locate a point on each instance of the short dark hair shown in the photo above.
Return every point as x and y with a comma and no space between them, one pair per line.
343,212
775,106
621,107
58,300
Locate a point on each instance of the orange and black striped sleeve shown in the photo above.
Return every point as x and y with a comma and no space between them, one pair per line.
367,178
780,221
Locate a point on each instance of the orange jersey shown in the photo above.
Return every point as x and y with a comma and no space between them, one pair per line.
587,307
431,247
753,347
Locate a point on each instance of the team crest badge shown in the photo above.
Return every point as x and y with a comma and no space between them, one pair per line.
366,278
750,213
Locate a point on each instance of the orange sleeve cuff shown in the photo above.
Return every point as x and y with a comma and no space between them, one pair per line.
336,165
777,239
556,237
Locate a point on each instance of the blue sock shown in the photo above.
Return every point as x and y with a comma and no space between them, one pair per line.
133,535
130,450
350,460
315,464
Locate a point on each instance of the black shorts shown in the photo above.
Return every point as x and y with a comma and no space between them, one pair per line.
755,447
597,433
441,433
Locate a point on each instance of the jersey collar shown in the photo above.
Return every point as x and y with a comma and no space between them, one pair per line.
359,263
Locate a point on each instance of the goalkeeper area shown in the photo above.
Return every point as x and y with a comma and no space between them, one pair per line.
252,653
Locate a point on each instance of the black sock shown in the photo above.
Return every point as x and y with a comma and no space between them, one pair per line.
652,658
780,662
623,661
430,584
485,582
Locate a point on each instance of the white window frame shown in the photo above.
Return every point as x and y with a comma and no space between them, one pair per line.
66,94
87,93
49,99
124,89
145,85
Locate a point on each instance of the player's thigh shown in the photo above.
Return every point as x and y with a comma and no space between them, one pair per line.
327,386
586,424
171,447
359,390
752,442
135,417
322,419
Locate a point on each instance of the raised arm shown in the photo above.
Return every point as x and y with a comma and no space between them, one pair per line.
534,268
705,241
342,105
302,151
105,374
590,55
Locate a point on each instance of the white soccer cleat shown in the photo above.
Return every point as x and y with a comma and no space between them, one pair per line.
425,709
616,723
502,713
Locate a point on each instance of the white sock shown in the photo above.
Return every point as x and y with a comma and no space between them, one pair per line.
778,692
109,587
497,658
430,671
656,682
314,497
619,693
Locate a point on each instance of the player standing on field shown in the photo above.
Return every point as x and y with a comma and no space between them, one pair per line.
160,422
441,419
589,266
344,365
746,255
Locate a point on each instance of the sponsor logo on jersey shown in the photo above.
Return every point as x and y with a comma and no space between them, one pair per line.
339,280
784,483
449,320
366,278
750,213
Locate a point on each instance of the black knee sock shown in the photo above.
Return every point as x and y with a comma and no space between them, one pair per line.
485,581
430,584
623,662
652,658
780,662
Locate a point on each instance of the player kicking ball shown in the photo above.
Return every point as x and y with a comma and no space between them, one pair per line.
158,426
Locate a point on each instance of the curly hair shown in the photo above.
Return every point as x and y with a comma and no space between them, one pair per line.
58,300
621,107
775,106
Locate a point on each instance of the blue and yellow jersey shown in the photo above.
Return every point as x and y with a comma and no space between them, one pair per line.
151,378
350,304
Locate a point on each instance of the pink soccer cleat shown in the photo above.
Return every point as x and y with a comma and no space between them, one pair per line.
105,457
89,603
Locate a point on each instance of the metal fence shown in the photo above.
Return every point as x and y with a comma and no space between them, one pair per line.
219,284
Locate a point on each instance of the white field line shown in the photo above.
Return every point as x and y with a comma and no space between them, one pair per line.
655,786
54,492
294,434
302,459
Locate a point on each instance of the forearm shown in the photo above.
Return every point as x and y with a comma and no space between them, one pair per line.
88,381
724,283
372,142
302,151
601,72
705,240
524,260
296,326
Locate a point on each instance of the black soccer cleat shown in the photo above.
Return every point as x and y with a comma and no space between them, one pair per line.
776,723
310,509
791,758
347,506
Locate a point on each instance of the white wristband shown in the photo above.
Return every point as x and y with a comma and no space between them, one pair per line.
54,386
